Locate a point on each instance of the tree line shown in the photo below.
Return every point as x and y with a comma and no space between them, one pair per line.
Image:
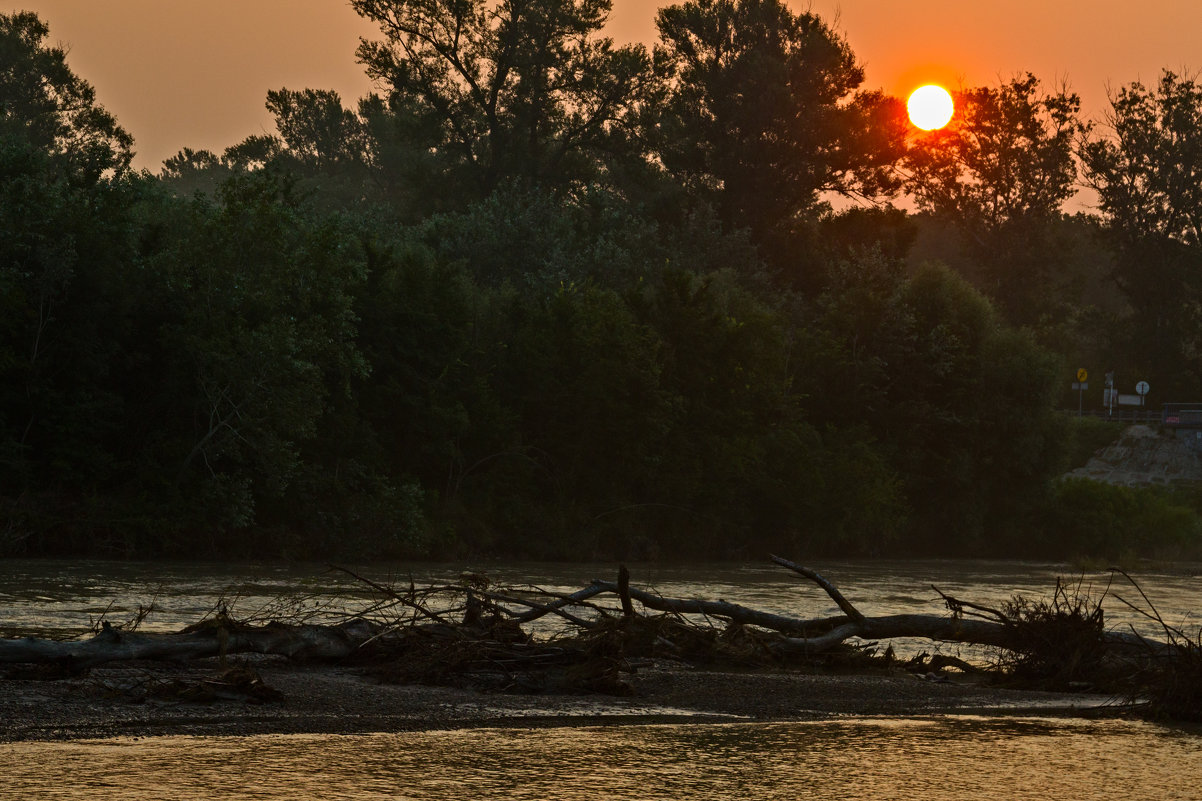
543,295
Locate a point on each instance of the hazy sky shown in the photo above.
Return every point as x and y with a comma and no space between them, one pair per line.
196,73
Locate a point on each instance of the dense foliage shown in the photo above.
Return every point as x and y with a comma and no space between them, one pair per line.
547,296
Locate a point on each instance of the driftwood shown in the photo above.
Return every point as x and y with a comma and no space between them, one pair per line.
222,636
473,634
301,642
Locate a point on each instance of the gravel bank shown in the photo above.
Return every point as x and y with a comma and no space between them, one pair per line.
322,699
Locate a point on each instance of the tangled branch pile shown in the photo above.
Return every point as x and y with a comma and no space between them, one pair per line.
476,634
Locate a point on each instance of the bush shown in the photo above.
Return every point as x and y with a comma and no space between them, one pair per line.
1086,518
1087,436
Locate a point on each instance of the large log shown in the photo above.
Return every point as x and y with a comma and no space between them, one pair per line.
814,636
110,645
930,627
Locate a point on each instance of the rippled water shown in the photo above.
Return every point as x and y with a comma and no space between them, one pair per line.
931,759
941,758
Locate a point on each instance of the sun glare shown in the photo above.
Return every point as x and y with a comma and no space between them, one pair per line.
930,107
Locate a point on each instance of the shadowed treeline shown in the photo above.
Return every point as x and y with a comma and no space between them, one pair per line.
545,296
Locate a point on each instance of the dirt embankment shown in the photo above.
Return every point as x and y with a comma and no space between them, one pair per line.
1146,455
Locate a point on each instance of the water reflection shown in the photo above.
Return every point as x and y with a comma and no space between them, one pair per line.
941,758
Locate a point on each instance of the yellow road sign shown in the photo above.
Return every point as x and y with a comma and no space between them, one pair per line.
1082,375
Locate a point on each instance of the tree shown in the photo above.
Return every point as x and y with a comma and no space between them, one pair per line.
536,240
316,129
47,106
959,404
194,171
970,418
763,114
1001,172
257,333
1007,154
515,90
68,276
1146,166
318,140
1146,171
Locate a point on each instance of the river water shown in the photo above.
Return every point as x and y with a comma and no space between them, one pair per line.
960,757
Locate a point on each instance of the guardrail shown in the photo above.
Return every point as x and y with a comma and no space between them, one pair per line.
1171,415
1182,415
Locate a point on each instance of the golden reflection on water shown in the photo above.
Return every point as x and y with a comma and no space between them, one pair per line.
931,759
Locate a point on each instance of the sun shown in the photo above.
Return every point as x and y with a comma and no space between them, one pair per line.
930,107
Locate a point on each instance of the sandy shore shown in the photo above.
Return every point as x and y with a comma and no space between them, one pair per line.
321,699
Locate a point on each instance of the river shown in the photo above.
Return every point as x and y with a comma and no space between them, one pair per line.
959,756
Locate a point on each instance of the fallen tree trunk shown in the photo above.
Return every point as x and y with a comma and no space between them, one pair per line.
301,642
912,626
310,642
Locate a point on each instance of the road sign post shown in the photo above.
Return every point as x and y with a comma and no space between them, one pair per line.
1080,385
1142,389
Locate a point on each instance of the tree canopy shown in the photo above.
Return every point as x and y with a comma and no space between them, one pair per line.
764,111
547,296
1144,162
48,108
1001,173
514,90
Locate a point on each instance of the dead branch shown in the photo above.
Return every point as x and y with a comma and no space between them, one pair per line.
722,609
389,592
830,589
575,599
958,607
535,607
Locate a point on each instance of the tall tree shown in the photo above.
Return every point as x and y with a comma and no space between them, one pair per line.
47,106
1146,165
1001,173
764,114
517,89
324,147
316,129
66,268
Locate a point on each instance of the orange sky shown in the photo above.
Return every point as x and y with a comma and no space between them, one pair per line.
195,73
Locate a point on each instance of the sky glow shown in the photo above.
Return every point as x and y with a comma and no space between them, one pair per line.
195,73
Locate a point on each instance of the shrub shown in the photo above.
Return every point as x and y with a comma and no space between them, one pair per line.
1087,518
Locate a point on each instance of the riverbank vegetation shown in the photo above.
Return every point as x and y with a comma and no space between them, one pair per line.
548,296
